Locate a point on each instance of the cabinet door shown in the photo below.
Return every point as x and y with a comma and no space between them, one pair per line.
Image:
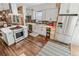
52,34
5,6
74,8
1,8
4,37
43,31
25,32
10,38
64,9
51,14
38,29
34,28
69,8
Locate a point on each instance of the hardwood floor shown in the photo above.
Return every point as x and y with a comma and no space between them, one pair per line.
29,47
74,50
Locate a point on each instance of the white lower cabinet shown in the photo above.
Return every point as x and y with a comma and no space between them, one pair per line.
34,27
51,36
40,29
8,38
25,31
43,31
52,33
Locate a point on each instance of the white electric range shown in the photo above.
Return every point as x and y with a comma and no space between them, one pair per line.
14,34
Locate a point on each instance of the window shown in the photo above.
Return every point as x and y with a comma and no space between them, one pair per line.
39,15
15,19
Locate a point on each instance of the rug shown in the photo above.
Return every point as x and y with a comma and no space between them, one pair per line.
54,49
34,34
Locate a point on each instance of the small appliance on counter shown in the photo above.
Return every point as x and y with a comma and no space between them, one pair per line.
53,25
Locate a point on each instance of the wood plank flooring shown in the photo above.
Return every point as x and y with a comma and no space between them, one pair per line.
30,46
74,50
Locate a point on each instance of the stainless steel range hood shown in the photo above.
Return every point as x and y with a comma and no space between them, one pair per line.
68,14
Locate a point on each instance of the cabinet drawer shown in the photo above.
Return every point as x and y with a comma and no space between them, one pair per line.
43,33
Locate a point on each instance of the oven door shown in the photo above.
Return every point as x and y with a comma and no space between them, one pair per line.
19,35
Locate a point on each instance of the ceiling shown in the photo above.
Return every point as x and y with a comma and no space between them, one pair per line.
28,4
6,5
32,4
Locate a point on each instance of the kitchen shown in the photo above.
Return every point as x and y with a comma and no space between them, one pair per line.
53,21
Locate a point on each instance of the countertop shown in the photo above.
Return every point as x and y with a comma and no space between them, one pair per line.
7,29
43,25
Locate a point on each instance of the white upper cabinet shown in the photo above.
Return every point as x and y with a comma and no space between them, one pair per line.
1,7
69,8
4,6
74,8
29,11
14,8
64,8
51,14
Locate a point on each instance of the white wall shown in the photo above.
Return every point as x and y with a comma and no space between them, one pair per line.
75,37
43,6
49,10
